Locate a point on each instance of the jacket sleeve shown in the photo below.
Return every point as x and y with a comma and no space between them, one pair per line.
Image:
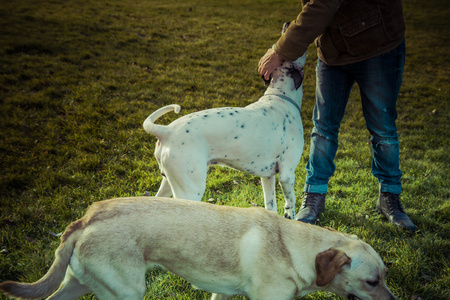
316,15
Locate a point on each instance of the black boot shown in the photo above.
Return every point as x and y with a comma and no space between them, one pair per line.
312,205
390,206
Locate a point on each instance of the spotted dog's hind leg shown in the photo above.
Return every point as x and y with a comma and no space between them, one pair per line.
219,297
164,190
190,182
270,200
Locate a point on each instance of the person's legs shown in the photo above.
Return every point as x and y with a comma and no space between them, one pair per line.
332,91
379,80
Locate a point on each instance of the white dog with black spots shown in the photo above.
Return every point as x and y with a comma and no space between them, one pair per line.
264,139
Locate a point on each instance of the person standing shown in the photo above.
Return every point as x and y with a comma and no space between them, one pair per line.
358,41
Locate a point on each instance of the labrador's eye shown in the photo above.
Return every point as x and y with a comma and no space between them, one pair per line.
373,283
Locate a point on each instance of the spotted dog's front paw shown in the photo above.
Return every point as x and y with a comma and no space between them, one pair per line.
289,213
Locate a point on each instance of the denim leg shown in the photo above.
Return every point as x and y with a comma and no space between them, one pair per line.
379,80
332,92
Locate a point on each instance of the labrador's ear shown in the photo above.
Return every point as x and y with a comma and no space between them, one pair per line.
328,264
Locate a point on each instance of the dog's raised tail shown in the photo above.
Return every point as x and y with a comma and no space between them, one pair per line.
55,275
149,123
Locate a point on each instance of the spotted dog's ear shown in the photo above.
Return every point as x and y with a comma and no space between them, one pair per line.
297,76
266,82
285,27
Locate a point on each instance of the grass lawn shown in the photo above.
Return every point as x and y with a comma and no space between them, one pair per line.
78,78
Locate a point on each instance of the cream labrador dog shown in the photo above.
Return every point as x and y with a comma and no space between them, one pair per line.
224,250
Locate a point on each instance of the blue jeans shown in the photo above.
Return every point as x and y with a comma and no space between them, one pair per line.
379,80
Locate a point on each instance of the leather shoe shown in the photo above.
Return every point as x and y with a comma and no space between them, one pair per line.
390,206
312,205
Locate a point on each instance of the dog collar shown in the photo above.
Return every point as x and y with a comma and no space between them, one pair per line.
284,97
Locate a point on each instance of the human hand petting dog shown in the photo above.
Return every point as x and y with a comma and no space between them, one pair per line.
268,63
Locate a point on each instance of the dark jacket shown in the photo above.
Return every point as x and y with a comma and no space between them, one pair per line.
345,31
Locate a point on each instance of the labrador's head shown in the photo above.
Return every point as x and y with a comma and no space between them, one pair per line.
354,271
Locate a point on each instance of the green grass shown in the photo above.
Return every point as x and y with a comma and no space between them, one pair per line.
78,78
